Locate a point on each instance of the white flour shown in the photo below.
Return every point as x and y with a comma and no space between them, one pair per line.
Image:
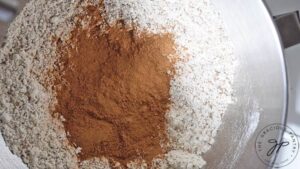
200,92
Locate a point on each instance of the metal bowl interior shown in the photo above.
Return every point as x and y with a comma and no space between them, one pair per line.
260,85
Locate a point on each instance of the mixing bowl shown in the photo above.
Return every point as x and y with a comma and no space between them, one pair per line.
260,85
260,88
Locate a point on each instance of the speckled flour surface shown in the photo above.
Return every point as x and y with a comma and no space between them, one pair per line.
200,92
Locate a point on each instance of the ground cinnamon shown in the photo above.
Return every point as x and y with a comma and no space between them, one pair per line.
114,90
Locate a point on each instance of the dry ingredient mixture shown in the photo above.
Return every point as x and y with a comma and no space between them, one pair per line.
116,90
95,83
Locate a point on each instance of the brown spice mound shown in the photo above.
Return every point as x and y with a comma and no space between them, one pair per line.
116,92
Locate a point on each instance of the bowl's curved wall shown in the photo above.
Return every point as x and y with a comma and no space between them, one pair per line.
260,84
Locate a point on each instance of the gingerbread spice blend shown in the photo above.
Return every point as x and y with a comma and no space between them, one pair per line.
114,91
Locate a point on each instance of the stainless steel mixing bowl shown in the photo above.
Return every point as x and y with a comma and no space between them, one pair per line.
260,84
